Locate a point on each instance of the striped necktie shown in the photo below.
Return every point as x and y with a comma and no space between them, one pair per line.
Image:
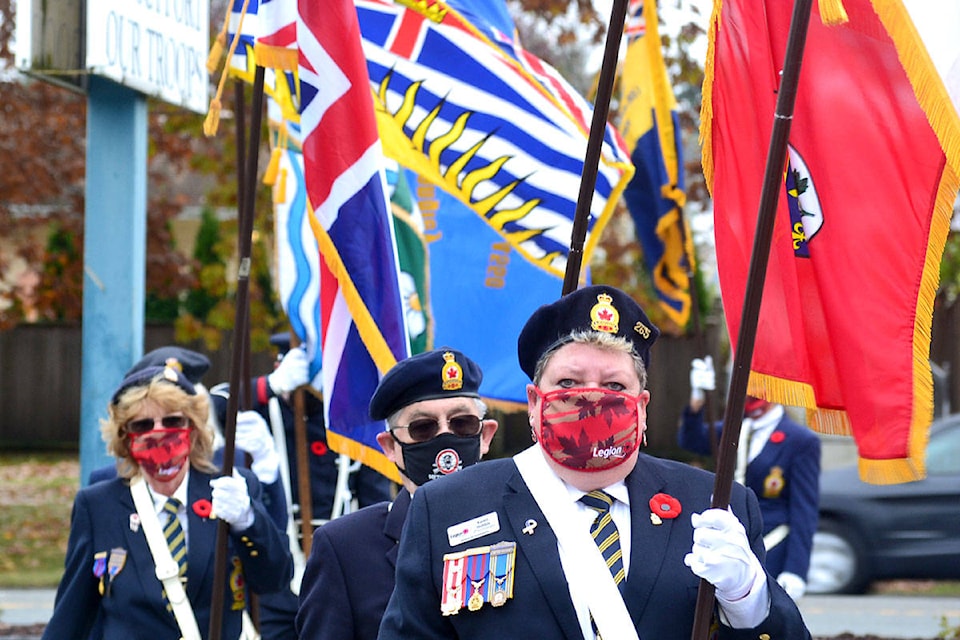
173,532
605,534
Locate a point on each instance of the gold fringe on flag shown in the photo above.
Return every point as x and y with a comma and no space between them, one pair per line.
832,12
212,122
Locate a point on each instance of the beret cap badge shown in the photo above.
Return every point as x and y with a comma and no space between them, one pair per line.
604,316
452,373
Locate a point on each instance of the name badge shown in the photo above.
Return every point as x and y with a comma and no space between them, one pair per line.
473,529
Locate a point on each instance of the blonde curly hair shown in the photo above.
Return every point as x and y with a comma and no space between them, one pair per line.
170,397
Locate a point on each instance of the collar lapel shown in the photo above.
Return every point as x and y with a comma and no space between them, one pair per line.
393,525
202,533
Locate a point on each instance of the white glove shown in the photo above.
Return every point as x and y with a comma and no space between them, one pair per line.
721,554
254,437
292,372
702,378
231,502
794,585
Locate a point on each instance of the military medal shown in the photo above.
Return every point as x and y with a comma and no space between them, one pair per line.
100,567
237,586
502,562
477,573
454,575
118,558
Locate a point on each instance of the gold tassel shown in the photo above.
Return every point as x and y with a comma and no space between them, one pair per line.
212,122
270,175
216,54
832,12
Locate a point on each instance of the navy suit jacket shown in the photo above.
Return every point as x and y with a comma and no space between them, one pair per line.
350,573
660,591
258,559
785,476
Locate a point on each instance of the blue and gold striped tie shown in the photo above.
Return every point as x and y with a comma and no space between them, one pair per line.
605,534
173,532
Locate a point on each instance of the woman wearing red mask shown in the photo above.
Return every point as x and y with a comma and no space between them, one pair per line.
140,557
582,534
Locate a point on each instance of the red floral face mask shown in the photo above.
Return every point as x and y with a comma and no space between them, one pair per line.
588,429
161,453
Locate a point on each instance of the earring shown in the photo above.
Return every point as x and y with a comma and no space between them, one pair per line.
644,444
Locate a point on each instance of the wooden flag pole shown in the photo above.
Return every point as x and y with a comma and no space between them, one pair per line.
588,180
746,339
303,462
240,329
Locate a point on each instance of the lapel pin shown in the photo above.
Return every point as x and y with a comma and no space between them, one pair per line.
529,526
134,522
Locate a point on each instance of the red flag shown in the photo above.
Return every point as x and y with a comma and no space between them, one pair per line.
871,177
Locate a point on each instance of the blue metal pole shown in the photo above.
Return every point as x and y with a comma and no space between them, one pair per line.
115,236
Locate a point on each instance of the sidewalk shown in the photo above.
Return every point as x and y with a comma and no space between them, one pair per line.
20,607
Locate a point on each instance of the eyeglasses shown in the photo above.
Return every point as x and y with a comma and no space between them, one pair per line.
424,429
167,422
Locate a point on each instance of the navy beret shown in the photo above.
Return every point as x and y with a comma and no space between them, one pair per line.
441,373
192,364
143,377
595,308
281,341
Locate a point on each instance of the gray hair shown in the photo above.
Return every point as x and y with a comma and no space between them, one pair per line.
600,340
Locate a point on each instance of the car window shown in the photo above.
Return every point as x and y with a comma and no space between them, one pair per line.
943,452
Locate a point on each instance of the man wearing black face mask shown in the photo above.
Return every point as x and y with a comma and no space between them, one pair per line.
435,427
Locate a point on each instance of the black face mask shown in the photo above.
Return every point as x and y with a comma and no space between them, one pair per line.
438,457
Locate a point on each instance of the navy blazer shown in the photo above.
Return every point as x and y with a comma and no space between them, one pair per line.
660,591
350,573
258,559
785,476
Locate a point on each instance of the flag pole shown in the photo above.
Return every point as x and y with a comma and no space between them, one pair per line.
588,180
241,317
746,339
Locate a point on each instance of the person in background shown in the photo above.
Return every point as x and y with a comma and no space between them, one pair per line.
251,429
582,535
435,426
140,556
780,461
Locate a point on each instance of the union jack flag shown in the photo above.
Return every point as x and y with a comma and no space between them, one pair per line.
361,311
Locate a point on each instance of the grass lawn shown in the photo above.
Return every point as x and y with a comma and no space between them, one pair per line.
36,495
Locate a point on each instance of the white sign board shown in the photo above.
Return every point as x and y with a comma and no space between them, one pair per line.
158,47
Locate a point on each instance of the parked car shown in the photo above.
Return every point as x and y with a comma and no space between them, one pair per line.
901,531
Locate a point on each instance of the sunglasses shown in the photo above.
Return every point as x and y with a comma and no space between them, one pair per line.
465,426
146,424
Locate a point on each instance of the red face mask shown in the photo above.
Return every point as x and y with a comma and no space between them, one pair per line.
161,453
588,429
754,407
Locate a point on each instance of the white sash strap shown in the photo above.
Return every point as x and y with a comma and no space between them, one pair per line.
777,535
167,570
589,578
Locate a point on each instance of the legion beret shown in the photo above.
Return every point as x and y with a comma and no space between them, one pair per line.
143,377
595,308
192,364
441,373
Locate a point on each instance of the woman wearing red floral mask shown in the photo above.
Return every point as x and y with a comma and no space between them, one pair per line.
141,551
583,534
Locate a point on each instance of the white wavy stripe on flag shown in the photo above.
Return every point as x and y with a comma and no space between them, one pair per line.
298,260
553,217
936,22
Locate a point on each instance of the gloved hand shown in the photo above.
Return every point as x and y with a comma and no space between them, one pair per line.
254,437
702,378
794,585
231,502
292,372
721,554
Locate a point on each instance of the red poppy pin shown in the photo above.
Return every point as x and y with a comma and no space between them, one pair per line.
777,437
662,506
318,448
203,508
